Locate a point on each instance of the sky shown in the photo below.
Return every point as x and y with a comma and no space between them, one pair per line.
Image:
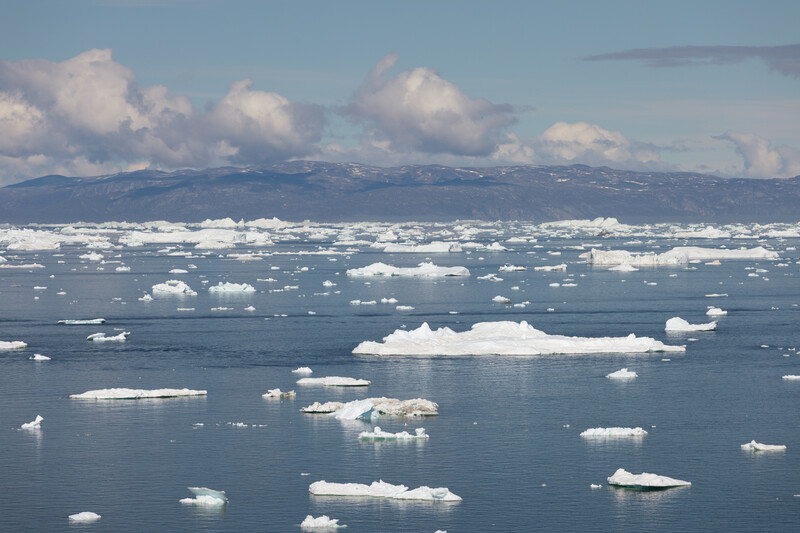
90,87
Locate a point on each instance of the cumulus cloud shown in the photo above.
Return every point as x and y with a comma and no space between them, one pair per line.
761,159
417,110
88,112
782,59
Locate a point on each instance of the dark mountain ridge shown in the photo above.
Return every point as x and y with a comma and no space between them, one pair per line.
335,192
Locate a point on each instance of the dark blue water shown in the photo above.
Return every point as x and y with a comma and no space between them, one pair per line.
506,439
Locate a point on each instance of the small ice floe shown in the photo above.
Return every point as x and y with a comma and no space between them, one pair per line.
381,489
424,270
615,432
622,373
791,377
85,516
173,286
204,496
222,308
554,284
490,277
334,381
39,288
754,446
644,481
378,434
278,393
383,406
624,267
101,337
12,345
33,424
178,271
320,522
328,283
678,324
716,295
146,298
122,269
551,268
357,410
38,357
501,299
249,308
432,247
593,486
302,370
716,311
512,268
404,308
229,287
388,300
81,322
136,394
360,302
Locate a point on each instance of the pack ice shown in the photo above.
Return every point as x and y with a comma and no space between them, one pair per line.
623,478
135,394
504,338
678,324
423,270
381,489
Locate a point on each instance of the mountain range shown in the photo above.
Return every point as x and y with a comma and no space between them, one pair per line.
335,192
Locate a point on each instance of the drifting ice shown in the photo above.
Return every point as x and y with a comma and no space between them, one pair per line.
101,337
384,406
173,286
86,516
791,377
34,424
204,496
135,394
433,247
378,434
754,446
680,255
424,270
12,345
504,338
324,522
716,311
232,287
334,381
302,370
623,373
623,478
614,432
278,393
355,410
679,324
39,357
381,489
82,322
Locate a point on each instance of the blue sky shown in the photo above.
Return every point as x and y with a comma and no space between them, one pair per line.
700,86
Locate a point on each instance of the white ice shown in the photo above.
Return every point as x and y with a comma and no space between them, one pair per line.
101,337
378,434
424,270
623,478
504,338
678,324
38,357
135,394
204,496
613,432
551,268
433,247
716,311
334,381
624,267
302,370
381,489
80,322
791,377
357,409
623,373
173,286
229,287
85,516
278,393
680,255
12,345
34,424
754,446
324,522
384,406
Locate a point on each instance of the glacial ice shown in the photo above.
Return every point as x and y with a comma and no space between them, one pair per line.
551,268
85,516
716,311
135,394
324,522
424,270
614,432
278,393
334,381
38,357
381,489
378,434
12,345
229,287
680,255
101,337
204,496
791,377
679,324
513,268
80,322
384,406
173,286
623,478
33,424
355,410
433,247
623,373
302,370
624,267
754,446
504,338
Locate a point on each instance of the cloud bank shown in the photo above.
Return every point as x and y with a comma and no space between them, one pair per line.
761,159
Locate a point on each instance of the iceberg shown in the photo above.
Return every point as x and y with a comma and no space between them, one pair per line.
504,338
173,286
716,311
433,247
423,270
38,357
204,496
135,394
644,481
551,268
514,268
85,516
34,424
302,370
278,393
228,287
12,345
355,410
324,522
680,255
791,377
623,373
101,337
80,322
678,324
613,432
384,406
334,381
378,434
754,446
381,489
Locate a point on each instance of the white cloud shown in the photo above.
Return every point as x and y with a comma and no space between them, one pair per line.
417,110
761,159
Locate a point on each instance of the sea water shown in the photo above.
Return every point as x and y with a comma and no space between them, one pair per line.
507,435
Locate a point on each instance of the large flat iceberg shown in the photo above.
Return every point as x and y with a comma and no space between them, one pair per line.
423,270
204,496
381,489
644,481
680,255
384,406
504,338
615,432
678,324
173,286
229,287
12,345
334,381
135,394
754,446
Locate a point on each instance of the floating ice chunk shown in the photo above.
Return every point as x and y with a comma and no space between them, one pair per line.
122,269
513,268
551,268
388,300
378,434
425,270
491,276
504,338
39,357
357,409
381,489
593,486
623,373
614,432
754,446
433,247
204,496
80,322
323,522
93,256
232,287
135,394
328,283
716,311
278,393
85,516
501,299
178,271
101,337
302,370
384,406
791,377
146,298
623,478
624,267
249,308
679,324
33,424
405,308
12,345
680,255
173,286
334,381
716,295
